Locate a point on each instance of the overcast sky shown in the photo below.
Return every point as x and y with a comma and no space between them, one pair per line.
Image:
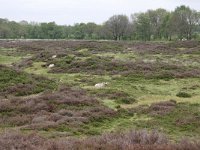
76,11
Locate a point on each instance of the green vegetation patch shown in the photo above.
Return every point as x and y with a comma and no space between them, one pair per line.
181,121
183,95
20,83
6,60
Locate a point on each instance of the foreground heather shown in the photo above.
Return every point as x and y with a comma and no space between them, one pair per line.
133,140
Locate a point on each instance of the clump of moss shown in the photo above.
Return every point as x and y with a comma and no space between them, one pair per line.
126,100
183,95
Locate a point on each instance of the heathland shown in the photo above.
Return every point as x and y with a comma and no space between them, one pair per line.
148,98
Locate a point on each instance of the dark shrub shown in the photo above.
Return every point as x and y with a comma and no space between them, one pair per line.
126,100
183,95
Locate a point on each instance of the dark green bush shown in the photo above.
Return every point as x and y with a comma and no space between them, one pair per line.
183,95
126,100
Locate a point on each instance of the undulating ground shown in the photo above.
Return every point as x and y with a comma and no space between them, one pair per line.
48,88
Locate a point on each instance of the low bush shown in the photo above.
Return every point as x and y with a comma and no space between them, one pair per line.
68,106
133,140
162,108
183,95
126,100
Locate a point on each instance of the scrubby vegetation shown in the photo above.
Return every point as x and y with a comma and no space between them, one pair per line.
151,85
64,110
137,140
183,94
15,82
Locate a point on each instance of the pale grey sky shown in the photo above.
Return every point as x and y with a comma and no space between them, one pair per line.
76,11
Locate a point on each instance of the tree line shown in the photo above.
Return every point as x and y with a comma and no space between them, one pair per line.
159,24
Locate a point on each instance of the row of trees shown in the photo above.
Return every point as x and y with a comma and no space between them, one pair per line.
160,24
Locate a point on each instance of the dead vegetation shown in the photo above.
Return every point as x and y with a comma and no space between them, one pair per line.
133,140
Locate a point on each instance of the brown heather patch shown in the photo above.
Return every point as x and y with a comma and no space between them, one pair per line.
133,140
162,108
155,109
44,50
71,107
106,65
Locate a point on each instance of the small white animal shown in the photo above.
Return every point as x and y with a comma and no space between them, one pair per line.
51,65
184,39
101,85
54,56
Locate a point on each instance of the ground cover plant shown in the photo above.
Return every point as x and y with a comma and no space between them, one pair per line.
15,82
139,140
49,88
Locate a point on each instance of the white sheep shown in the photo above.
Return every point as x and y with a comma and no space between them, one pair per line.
101,85
184,39
54,56
51,65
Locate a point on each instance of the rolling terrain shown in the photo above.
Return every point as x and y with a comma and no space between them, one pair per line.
47,91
